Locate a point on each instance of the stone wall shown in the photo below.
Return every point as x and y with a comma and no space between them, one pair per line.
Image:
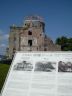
30,37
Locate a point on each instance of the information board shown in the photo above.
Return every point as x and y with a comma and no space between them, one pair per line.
39,74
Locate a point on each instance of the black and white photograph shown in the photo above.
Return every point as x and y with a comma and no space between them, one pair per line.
23,66
45,66
64,66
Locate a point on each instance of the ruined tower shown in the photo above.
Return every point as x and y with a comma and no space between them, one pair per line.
30,37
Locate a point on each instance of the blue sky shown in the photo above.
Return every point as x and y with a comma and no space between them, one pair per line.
57,15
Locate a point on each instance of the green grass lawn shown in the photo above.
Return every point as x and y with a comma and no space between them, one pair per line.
3,73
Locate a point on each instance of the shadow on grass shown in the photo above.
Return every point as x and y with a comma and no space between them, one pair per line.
3,73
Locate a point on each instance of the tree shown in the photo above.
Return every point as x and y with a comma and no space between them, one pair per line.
66,43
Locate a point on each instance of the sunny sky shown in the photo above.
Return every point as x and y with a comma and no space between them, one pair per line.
57,15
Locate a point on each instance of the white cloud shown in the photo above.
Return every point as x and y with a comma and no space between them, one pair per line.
3,42
0,31
2,45
2,49
0,34
5,36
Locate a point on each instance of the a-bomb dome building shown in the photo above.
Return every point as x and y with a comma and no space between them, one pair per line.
30,36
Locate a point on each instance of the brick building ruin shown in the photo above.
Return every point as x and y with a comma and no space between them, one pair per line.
30,37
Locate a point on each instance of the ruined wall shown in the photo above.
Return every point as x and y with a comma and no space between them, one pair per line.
30,37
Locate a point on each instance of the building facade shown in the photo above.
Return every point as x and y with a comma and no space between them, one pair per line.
30,37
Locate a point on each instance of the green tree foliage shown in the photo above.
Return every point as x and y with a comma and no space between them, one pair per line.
66,43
